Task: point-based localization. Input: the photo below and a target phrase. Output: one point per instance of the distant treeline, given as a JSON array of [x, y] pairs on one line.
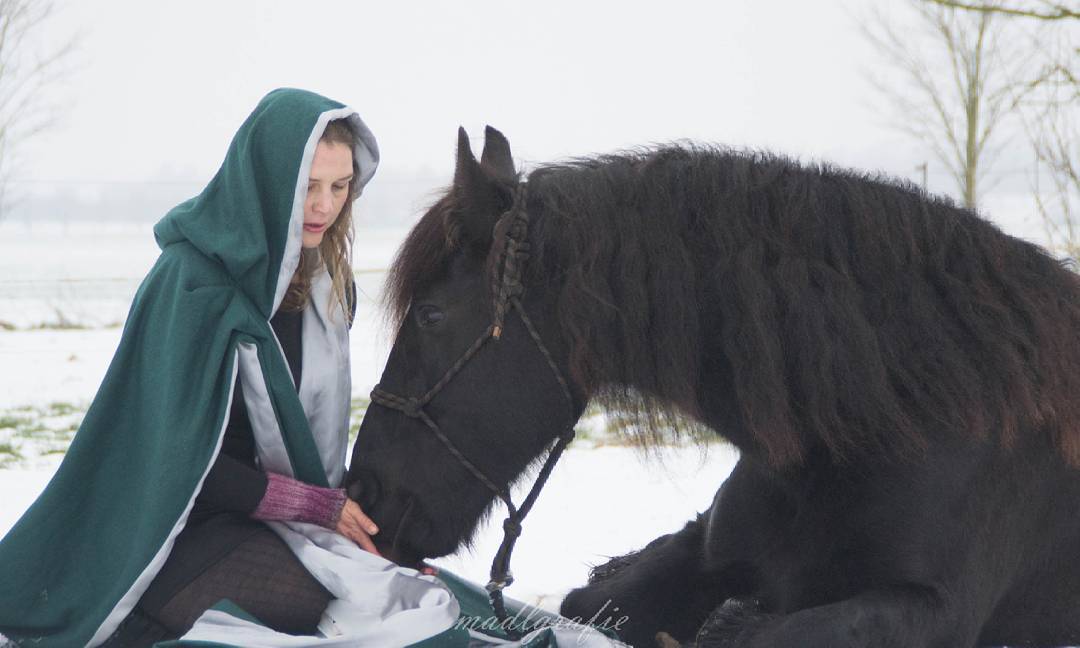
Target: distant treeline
[[394, 198]]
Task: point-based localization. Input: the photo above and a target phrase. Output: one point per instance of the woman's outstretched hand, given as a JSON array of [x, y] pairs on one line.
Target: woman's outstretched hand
[[355, 525]]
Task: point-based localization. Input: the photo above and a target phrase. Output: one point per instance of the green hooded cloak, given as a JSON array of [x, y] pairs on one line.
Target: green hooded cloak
[[79, 559]]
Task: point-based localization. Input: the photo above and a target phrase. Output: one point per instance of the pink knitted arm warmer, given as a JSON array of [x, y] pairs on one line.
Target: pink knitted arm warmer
[[288, 499]]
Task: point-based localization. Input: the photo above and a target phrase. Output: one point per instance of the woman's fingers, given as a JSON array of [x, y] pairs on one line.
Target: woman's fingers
[[358, 514], [357, 526], [365, 542]]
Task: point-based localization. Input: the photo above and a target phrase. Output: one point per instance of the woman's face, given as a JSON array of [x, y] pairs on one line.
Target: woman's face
[[328, 189]]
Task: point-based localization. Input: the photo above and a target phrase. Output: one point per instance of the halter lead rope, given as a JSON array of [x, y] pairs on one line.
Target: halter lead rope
[[511, 232]]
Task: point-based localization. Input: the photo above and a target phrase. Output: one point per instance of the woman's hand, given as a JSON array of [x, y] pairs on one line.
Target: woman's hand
[[355, 525]]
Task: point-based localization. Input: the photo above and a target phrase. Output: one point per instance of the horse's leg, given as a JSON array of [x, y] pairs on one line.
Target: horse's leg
[[1042, 605], [660, 588], [894, 618], [968, 545], [829, 545], [678, 579], [1043, 610]]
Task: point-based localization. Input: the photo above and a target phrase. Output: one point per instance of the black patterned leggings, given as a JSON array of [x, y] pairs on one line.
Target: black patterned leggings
[[260, 574]]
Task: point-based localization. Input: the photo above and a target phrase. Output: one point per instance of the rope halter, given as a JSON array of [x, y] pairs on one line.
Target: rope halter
[[508, 256]]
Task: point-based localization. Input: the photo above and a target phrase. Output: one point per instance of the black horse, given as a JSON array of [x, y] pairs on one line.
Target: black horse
[[902, 380]]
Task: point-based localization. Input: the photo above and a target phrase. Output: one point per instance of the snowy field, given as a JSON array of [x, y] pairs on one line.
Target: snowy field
[[65, 292]]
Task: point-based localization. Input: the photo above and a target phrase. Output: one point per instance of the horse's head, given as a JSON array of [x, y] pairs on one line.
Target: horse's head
[[501, 407]]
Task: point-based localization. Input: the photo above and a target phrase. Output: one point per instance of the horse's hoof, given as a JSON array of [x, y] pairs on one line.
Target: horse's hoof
[[727, 622], [664, 640]]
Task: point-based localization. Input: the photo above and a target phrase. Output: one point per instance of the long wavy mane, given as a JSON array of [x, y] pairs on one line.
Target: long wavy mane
[[838, 308]]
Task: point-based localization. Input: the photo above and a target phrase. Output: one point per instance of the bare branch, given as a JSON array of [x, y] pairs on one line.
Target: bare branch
[[955, 66], [1055, 11], [27, 72]]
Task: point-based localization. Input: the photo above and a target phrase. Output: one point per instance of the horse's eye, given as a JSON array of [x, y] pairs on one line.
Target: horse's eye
[[429, 315]]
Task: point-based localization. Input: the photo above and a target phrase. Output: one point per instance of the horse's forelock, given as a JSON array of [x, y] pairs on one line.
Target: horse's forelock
[[422, 257]]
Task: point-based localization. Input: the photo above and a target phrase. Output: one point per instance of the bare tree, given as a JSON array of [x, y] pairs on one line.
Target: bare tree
[[1049, 112], [28, 67], [1049, 100], [1039, 9], [955, 84], [1057, 181]]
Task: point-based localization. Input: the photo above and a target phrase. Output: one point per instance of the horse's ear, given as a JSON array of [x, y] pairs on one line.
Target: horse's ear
[[482, 189], [496, 158], [467, 170]]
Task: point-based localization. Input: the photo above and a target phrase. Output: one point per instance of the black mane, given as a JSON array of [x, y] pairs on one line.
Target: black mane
[[851, 308]]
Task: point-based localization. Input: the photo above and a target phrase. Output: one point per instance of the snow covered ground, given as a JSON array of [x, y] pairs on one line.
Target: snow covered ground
[[599, 502], [65, 291]]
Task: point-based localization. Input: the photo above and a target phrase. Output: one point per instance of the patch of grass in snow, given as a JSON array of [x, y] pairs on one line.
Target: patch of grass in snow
[[59, 326], [598, 427], [61, 323], [59, 408], [30, 432], [9, 455]]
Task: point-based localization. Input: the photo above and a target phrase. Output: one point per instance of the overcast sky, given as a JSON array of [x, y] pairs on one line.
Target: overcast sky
[[158, 88]]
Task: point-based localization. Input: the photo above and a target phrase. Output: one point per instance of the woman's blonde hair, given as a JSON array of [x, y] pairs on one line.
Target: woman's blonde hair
[[335, 250]]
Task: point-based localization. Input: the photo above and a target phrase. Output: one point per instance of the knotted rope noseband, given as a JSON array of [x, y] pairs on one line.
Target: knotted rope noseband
[[511, 251]]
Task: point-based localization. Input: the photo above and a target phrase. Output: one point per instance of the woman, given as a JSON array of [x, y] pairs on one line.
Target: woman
[[224, 552], [207, 466]]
